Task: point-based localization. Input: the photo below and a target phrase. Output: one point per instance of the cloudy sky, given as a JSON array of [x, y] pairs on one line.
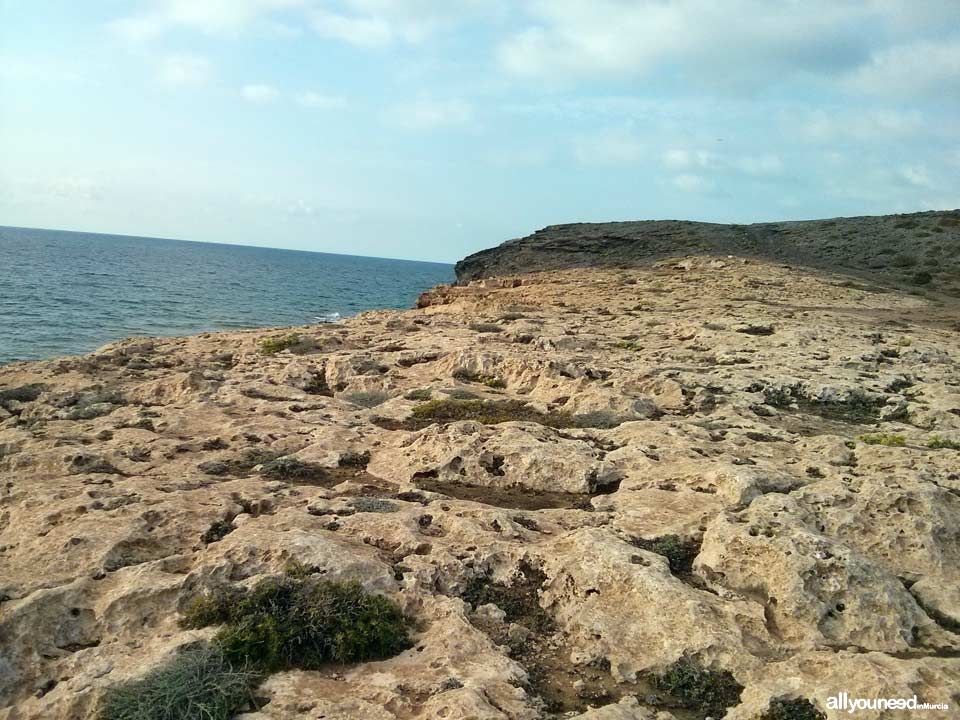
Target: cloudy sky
[[431, 128]]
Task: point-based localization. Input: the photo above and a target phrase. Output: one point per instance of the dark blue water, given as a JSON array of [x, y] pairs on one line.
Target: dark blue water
[[66, 293]]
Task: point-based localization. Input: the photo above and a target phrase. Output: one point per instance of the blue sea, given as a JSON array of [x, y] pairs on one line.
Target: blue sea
[[65, 293]]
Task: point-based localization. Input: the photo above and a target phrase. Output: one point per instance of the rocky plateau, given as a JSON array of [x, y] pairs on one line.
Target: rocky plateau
[[571, 474]]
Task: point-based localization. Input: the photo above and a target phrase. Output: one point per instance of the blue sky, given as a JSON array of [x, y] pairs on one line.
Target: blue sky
[[428, 129]]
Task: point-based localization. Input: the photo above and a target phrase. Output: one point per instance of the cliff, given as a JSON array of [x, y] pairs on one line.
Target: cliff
[[919, 248], [689, 487]]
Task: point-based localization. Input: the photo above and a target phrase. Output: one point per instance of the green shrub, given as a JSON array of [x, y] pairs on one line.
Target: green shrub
[[271, 346], [631, 345], [708, 691], [941, 443], [922, 278], [199, 682], [420, 395], [888, 439], [491, 381], [488, 412], [793, 709], [301, 622], [289, 468]]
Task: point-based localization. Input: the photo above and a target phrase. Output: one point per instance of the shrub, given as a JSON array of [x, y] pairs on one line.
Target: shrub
[[271, 346], [903, 260], [199, 682], [420, 395], [708, 691], [301, 622], [793, 709], [491, 381], [485, 328], [489, 412], [631, 345], [941, 443], [922, 278], [888, 439], [218, 531], [288, 468]]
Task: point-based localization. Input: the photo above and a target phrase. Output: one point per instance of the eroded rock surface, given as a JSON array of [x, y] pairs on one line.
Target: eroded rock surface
[[653, 464]]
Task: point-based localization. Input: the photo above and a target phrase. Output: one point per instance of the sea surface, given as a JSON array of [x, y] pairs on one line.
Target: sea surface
[[66, 293]]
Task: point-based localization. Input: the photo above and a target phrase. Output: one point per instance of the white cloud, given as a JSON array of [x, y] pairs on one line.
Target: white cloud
[[883, 46], [868, 125], [610, 147], [911, 69], [184, 70], [432, 114], [691, 183], [317, 100], [207, 16], [366, 23], [762, 165], [915, 175], [680, 159], [364, 31], [259, 94]]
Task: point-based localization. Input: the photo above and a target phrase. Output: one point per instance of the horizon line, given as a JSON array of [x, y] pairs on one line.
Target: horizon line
[[228, 244]]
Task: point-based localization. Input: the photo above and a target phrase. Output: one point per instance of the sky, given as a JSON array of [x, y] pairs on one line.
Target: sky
[[429, 129]]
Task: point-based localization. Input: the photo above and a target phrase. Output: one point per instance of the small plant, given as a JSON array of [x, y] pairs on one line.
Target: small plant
[[792, 709], [922, 278], [679, 553], [708, 691], [288, 468], [218, 531], [491, 381], [199, 682], [485, 328], [631, 345], [887, 439], [301, 622], [367, 398], [904, 342], [274, 345], [373, 505], [419, 395], [941, 443]]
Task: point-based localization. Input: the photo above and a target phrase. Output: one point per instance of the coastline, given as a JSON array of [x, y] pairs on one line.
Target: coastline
[[635, 465]]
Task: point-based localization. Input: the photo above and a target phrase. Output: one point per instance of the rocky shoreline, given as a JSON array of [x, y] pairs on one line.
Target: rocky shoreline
[[577, 484]]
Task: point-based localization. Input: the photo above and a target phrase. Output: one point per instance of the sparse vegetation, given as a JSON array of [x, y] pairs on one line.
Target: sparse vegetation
[[218, 531], [491, 381], [419, 395], [274, 345], [696, 688], [301, 622], [631, 345], [289, 468], [489, 412], [941, 443], [485, 327], [792, 709], [887, 439], [199, 682]]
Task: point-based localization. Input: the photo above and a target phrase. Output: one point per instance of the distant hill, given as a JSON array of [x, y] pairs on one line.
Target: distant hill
[[917, 248]]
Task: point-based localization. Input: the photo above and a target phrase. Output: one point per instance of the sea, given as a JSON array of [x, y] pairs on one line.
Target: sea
[[67, 293]]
